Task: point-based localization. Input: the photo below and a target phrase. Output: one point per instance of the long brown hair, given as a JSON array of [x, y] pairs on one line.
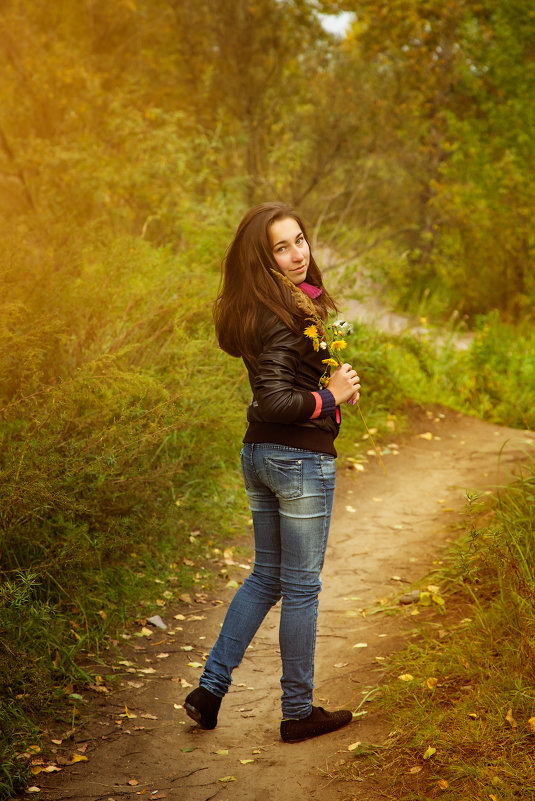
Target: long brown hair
[[248, 283]]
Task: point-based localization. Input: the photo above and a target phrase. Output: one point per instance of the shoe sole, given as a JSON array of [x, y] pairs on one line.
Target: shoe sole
[[316, 734]]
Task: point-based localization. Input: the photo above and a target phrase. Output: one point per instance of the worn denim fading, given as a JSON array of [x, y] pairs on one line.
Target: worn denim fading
[[291, 495]]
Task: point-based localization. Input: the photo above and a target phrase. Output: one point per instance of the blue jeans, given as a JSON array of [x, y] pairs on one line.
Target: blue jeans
[[291, 495]]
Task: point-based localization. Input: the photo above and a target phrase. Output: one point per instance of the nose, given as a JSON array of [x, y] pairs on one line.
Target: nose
[[297, 254]]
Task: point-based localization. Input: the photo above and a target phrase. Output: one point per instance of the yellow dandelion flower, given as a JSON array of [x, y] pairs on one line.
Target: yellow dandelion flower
[[316, 344], [324, 380], [330, 362], [339, 344], [311, 332]]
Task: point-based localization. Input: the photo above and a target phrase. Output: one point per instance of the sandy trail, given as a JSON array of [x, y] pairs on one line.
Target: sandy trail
[[386, 533]]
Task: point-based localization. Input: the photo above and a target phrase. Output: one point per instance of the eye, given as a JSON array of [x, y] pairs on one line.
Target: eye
[[300, 239]]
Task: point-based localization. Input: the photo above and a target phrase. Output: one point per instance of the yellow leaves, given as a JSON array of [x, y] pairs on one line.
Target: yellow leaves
[[354, 746], [195, 664], [442, 784], [246, 761], [127, 713], [430, 751], [228, 779], [360, 645], [406, 677], [431, 682], [36, 769], [79, 757], [428, 435], [531, 725]]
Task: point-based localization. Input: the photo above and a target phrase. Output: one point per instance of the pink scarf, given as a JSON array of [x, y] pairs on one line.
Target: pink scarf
[[310, 290]]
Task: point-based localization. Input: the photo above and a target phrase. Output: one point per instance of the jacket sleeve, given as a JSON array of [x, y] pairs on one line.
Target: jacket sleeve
[[276, 395]]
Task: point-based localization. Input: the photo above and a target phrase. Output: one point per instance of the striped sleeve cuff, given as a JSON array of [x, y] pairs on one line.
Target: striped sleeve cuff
[[325, 404]]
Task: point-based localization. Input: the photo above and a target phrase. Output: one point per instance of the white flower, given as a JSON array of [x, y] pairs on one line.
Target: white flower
[[323, 345]]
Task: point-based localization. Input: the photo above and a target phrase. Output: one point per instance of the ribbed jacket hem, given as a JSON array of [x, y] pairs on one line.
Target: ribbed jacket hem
[[307, 438]]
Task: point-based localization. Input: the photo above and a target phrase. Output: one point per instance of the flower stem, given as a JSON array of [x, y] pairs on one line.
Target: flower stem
[[371, 438]]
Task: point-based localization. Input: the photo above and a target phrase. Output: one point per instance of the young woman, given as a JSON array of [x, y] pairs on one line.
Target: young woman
[[271, 284]]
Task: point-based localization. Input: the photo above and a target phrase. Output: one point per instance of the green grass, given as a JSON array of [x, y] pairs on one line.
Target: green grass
[[472, 697]]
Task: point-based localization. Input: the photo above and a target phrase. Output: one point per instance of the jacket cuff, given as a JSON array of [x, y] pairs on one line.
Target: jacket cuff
[[325, 405]]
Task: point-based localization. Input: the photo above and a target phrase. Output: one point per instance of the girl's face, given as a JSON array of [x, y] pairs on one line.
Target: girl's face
[[290, 249]]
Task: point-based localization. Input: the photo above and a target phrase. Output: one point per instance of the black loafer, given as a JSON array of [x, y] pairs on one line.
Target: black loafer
[[202, 706], [318, 722]]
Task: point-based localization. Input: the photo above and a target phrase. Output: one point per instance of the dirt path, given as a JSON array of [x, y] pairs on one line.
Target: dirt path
[[386, 533]]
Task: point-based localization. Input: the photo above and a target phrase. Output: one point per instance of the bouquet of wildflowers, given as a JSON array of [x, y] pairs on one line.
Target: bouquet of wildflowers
[[329, 337]]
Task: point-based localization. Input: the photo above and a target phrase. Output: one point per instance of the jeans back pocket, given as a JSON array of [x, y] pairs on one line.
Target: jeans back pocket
[[284, 477]]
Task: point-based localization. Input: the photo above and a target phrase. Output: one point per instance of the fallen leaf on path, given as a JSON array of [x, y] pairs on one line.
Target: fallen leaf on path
[[246, 761], [510, 719], [184, 684], [531, 724], [148, 716], [78, 758], [156, 620], [350, 509], [232, 585], [428, 435], [162, 656], [33, 789], [132, 782], [432, 682], [442, 784], [135, 684], [146, 670], [127, 713], [179, 617], [196, 617], [185, 598], [341, 664], [98, 688], [145, 632], [228, 779], [415, 769], [430, 752], [222, 752], [406, 677], [361, 645], [353, 746], [188, 749], [195, 664]]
